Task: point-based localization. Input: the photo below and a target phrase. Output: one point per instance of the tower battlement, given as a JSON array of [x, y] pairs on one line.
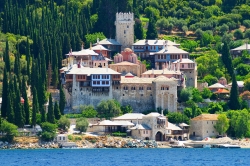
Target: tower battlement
[[124, 16]]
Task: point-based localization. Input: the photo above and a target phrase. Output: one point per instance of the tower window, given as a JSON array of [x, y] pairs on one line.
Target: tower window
[[124, 32], [127, 26]]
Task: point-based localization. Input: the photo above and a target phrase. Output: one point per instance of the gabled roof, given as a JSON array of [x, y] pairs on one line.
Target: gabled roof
[[98, 47], [130, 116], [89, 71], [82, 52], [108, 42], [155, 42], [184, 60], [239, 83], [217, 85], [124, 63], [140, 127], [172, 126], [204, 117], [164, 71], [243, 47], [171, 50], [106, 123]]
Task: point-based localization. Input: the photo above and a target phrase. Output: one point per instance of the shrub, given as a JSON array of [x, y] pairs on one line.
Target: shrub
[[119, 134], [82, 124]]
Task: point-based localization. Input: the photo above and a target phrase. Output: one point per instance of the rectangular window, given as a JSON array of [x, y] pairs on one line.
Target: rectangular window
[[103, 82], [98, 82], [107, 83], [94, 82]]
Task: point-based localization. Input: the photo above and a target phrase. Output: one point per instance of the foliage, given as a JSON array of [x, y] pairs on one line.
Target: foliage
[[206, 93], [82, 124], [215, 108], [196, 95], [92, 38], [222, 124], [51, 114], [238, 34], [57, 111], [185, 94], [48, 131], [9, 130], [126, 109], [88, 111], [210, 79], [63, 123], [62, 101], [119, 134], [108, 109], [151, 32], [234, 102], [177, 117]]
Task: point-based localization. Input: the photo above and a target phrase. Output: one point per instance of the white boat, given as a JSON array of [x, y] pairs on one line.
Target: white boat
[[207, 146]]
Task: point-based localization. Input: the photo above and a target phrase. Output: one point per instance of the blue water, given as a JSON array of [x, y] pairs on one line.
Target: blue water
[[127, 157]]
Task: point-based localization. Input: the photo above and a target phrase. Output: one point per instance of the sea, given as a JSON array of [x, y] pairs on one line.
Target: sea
[[126, 157]]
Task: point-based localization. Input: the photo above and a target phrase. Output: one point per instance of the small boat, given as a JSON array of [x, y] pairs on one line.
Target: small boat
[[228, 146], [206, 146]]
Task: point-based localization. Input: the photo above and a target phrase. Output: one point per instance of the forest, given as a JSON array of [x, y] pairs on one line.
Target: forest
[[36, 34]]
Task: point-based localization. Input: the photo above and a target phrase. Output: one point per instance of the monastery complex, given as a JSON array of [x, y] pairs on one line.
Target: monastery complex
[[113, 69]]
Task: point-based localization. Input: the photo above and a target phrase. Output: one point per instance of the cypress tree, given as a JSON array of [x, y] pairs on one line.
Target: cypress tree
[[51, 115], [28, 57], [57, 111], [62, 101], [10, 103], [43, 114], [4, 94], [138, 29], [227, 59], [151, 33], [26, 102], [19, 118], [35, 107], [7, 57], [234, 103]]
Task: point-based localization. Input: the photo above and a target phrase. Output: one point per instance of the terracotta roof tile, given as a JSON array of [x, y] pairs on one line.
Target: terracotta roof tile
[[206, 117]]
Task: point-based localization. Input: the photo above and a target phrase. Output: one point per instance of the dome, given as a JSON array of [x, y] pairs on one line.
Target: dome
[[134, 55], [127, 50]]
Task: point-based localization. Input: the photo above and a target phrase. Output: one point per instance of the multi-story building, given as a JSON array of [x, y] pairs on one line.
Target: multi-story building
[[158, 52], [84, 86], [112, 45]]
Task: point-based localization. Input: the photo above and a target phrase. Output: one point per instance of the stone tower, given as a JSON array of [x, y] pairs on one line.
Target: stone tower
[[125, 29]]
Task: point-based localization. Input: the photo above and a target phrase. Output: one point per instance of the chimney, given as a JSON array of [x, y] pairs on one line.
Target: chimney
[[152, 71], [180, 57]]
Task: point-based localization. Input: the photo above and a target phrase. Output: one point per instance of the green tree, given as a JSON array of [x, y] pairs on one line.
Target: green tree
[[177, 117], [51, 114], [82, 124], [63, 123], [26, 102], [238, 34], [108, 109], [206, 93], [35, 107], [6, 56], [138, 28], [227, 59], [210, 79], [57, 111], [9, 129], [126, 109], [214, 108], [151, 32], [222, 124], [92, 38], [196, 95], [234, 102], [48, 131], [185, 94], [5, 88], [88, 111], [247, 84], [62, 101]]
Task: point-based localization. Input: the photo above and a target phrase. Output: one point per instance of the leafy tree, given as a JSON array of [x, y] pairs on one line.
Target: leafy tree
[[9, 129], [210, 79], [162, 23], [57, 111], [185, 94], [227, 59], [247, 33], [246, 23], [206, 93], [177, 117], [243, 69], [82, 124], [196, 95], [238, 34], [222, 124], [247, 84], [199, 33], [63, 123], [214, 107], [48, 131], [62, 101], [126, 109], [108, 109], [92, 38], [206, 39], [234, 103], [88, 111], [151, 32], [51, 114]]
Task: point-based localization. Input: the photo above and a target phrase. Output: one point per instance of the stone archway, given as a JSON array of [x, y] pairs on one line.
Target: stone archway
[[158, 136]]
